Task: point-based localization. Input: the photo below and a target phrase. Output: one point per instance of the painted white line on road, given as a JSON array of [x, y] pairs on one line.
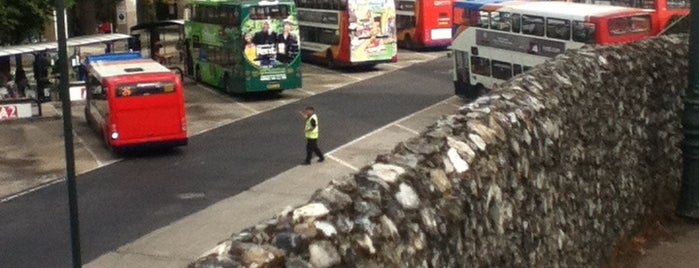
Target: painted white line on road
[[33, 189], [87, 148], [408, 129], [254, 112], [80, 140], [341, 162], [305, 91], [351, 77], [385, 127]]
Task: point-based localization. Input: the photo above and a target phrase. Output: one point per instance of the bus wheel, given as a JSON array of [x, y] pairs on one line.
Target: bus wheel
[[197, 74], [408, 42], [474, 92], [227, 83], [329, 59]]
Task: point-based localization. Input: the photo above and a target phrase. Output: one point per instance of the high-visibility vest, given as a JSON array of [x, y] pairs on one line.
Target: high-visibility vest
[[311, 132]]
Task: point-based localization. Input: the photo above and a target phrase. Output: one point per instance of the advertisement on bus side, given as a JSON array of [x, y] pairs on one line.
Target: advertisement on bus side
[[524, 44], [271, 41], [372, 25]]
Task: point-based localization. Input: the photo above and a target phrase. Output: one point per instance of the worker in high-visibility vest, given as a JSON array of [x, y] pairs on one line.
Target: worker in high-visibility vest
[[311, 133]]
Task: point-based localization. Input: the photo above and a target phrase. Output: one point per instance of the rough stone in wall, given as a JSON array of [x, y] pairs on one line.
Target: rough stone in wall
[[548, 170]]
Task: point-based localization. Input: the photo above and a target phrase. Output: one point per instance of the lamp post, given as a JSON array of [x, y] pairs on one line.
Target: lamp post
[[68, 133], [689, 195]]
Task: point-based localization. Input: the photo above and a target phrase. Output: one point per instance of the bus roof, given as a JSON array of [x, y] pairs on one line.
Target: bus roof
[[476, 4], [567, 10], [113, 68]]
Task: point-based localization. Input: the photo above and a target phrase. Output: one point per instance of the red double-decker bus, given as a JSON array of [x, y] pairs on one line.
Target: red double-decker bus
[[423, 23], [134, 102], [666, 11]]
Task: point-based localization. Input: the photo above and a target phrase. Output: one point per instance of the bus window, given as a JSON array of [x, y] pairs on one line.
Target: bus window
[[480, 65], [533, 25], [677, 4], [502, 70], [97, 92], [516, 23], [500, 21], [583, 32], [640, 24], [479, 19], [558, 28], [516, 69], [629, 25], [526, 68]]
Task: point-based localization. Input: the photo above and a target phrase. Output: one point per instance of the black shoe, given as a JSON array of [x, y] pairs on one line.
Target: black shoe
[[321, 160], [306, 163]]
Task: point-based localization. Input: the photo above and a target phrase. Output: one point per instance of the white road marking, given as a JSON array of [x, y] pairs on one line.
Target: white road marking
[[306, 91], [342, 162], [385, 127], [407, 129], [33, 189], [254, 112]]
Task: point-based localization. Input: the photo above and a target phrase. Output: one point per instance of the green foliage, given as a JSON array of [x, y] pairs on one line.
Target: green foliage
[[19, 19]]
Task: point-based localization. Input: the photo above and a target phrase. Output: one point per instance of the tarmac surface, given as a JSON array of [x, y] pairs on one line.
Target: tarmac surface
[[203, 208], [126, 203]]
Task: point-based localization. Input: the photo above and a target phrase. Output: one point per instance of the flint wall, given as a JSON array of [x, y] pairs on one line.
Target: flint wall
[[550, 169]]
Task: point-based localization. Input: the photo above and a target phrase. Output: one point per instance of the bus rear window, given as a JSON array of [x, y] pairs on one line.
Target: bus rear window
[[629, 25], [583, 32], [145, 89], [677, 4]]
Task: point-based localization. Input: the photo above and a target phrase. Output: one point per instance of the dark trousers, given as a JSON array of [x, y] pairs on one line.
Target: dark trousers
[[312, 147]]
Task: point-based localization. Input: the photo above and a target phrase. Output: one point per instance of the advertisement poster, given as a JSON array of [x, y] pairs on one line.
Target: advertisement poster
[[372, 29], [271, 40], [519, 43]]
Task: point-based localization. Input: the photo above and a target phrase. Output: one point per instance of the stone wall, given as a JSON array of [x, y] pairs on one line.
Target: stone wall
[[550, 169]]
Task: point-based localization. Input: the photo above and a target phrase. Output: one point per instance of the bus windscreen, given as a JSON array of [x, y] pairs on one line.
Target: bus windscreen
[[145, 89], [279, 12]]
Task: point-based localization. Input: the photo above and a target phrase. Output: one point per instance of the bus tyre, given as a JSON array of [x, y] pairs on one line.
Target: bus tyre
[[227, 83], [408, 42], [329, 59], [197, 74], [474, 92]]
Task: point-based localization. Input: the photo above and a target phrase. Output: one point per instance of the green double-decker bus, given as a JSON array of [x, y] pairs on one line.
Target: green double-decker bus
[[243, 46]]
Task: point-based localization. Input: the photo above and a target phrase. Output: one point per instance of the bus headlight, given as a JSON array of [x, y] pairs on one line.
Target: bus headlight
[[115, 135]]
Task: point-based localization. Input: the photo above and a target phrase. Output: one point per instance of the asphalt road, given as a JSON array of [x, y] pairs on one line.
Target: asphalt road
[[126, 200]]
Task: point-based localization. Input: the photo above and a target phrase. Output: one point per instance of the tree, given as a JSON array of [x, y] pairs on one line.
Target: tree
[[20, 19]]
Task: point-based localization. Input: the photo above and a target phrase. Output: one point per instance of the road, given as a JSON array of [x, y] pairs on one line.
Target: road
[[125, 200]]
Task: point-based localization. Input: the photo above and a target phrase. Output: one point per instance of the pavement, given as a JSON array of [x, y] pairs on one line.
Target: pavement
[[677, 247]]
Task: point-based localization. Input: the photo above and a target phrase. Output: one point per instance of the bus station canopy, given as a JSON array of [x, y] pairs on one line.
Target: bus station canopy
[[71, 42], [157, 24]]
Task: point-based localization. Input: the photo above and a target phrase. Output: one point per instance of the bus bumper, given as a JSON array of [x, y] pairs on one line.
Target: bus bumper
[[151, 145]]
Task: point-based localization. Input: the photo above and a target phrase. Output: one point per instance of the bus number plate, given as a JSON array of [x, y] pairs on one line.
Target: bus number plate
[[273, 77], [274, 86]]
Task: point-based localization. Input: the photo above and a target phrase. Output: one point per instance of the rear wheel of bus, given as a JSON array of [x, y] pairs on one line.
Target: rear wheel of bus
[[197, 74], [227, 83], [329, 59]]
